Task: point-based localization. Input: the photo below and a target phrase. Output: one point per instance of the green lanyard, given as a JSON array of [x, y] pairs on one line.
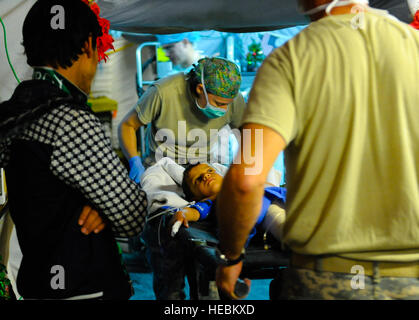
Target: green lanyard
[[52, 76]]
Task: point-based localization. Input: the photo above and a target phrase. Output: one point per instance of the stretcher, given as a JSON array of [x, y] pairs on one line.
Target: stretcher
[[263, 259]]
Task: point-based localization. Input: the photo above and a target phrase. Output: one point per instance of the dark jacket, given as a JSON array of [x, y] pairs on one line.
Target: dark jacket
[[52, 171]]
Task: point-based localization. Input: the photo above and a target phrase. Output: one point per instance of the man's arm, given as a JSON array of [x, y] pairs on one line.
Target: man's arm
[[127, 134], [83, 159], [146, 110], [184, 216], [240, 200]]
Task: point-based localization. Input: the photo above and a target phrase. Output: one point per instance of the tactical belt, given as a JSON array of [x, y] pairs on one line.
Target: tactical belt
[[343, 265]]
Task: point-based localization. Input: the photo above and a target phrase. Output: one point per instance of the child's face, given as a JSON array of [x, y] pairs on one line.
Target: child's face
[[204, 181]]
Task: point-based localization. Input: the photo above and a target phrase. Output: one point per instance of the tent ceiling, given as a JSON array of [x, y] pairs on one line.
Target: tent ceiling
[[163, 16], [171, 16]]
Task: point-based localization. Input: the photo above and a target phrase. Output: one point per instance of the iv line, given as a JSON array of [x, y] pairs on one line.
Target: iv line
[[7, 52]]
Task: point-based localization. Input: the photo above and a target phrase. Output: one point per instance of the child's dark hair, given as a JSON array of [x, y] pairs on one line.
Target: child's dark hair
[[189, 196]]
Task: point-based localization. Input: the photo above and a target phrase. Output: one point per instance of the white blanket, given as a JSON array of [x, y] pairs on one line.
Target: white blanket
[[163, 183]]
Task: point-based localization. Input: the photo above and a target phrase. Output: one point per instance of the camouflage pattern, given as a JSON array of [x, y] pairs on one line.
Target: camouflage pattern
[[304, 284], [221, 77], [5, 286]]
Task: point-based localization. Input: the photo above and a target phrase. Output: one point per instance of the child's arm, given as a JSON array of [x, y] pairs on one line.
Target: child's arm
[[198, 211], [185, 215]]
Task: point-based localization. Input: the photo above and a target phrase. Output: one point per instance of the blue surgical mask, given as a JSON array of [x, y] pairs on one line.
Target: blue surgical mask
[[209, 110]]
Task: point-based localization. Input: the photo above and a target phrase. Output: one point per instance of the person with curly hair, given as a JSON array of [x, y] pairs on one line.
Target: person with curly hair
[[69, 194]]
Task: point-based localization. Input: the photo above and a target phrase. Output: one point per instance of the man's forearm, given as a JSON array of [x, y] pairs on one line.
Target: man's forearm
[[238, 208], [128, 141], [115, 195], [240, 199]]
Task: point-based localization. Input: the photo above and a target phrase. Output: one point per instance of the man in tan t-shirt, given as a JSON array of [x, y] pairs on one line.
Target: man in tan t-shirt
[[341, 99], [185, 113]]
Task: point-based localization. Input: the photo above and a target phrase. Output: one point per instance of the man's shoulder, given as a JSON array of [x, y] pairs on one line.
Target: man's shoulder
[[169, 83], [238, 104], [239, 100], [73, 115]]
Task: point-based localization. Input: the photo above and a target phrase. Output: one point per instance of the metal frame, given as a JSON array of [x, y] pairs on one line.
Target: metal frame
[[141, 83]]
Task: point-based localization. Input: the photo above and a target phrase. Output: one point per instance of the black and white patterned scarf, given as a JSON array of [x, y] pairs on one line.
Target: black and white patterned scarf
[[31, 100], [81, 154]]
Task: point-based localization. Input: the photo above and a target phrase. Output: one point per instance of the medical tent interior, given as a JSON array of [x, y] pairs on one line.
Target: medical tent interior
[[233, 29]]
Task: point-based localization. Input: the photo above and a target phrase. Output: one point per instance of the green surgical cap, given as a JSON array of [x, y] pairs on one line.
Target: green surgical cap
[[221, 77]]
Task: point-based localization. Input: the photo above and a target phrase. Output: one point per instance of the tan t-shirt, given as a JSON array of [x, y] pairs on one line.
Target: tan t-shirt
[[178, 129], [345, 100]]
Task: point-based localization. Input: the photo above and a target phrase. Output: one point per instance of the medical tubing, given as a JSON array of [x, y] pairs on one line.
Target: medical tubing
[[158, 233], [171, 210], [160, 214], [7, 51]]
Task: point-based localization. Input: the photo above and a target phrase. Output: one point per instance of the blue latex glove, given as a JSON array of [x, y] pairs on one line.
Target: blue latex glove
[[136, 168]]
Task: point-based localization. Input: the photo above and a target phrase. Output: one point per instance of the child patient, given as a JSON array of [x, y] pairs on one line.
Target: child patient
[[201, 183]]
